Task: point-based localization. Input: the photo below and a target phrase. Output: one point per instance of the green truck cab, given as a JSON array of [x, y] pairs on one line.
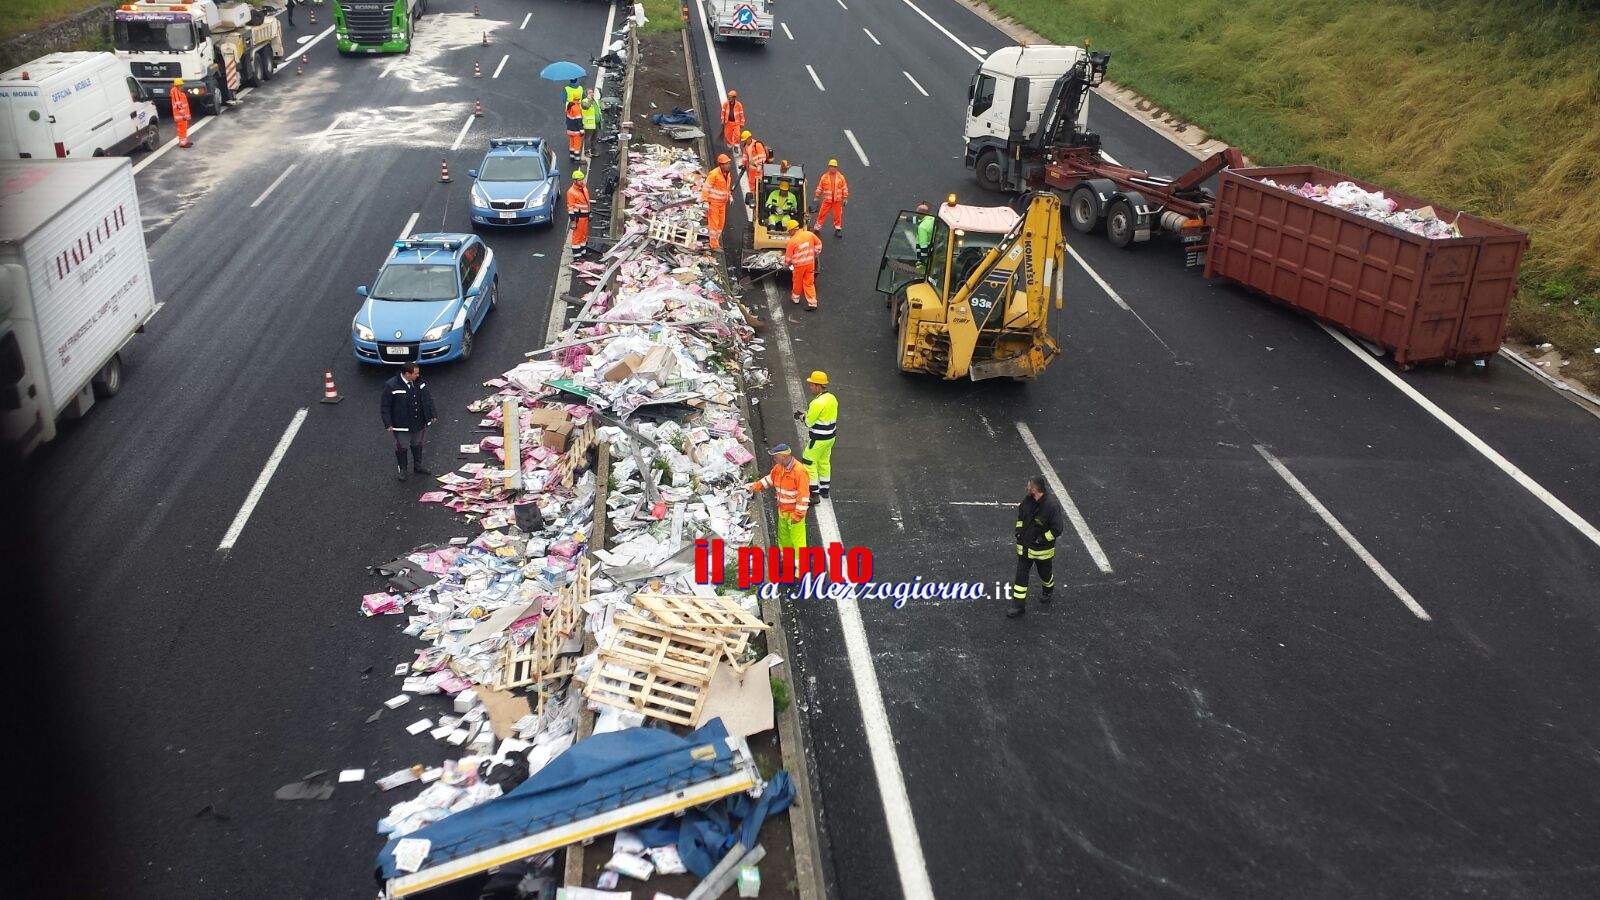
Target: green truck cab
[[376, 26]]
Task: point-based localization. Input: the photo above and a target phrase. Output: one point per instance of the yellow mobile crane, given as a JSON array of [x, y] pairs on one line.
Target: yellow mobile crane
[[969, 293]]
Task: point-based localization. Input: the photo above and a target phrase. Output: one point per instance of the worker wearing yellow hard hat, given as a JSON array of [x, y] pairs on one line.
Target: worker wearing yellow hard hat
[[800, 255], [822, 423], [578, 214], [753, 153], [831, 195], [180, 111], [781, 203]]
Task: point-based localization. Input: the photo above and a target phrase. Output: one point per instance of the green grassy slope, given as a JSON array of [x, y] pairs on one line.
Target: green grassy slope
[[1487, 105]]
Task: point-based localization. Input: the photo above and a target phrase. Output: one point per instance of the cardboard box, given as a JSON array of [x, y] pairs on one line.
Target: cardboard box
[[624, 367], [554, 437], [659, 365]]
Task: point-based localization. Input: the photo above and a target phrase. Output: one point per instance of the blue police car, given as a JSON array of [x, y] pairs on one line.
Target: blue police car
[[515, 184], [429, 299]]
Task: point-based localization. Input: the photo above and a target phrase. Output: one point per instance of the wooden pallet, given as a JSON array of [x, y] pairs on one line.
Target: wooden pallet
[[576, 455], [681, 236], [539, 661], [717, 618], [660, 672]]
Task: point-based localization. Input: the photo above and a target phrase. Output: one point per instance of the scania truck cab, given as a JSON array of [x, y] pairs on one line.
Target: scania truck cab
[[376, 26]]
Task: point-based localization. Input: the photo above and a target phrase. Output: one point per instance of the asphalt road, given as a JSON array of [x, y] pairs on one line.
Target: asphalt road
[[179, 686], [1240, 705]]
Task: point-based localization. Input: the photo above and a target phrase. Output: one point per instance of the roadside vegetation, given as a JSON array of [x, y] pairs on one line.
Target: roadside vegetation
[[22, 16], [665, 16], [1492, 106]]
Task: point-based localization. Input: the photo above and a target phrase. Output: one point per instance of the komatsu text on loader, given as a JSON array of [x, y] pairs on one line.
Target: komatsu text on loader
[[970, 292]]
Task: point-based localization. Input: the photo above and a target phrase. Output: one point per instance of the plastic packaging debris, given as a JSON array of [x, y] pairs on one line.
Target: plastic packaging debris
[[311, 787], [1351, 197]]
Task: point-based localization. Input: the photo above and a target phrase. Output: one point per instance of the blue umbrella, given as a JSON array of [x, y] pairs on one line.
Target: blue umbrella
[[562, 71]]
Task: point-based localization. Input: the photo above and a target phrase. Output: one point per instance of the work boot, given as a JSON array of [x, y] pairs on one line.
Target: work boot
[[823, 492], [795, 300], [1045, 597], [811, 307], [400, 473], [1016, 610], [839, 232], [421, 470]]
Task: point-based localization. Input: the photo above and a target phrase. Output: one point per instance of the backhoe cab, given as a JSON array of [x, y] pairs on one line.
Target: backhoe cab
[[970, 297]]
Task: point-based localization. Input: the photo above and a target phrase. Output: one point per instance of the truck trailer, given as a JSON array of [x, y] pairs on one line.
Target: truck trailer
[[74, 290], [1424, 298]]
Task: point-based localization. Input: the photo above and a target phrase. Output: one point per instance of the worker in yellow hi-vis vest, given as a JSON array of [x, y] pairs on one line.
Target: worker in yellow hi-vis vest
[[822, 424]]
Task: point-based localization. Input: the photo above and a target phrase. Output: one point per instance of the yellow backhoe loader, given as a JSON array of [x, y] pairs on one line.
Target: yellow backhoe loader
[[970, 292]]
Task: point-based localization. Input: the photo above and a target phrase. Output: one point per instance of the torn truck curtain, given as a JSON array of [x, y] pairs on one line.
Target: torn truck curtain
[[603, 783]]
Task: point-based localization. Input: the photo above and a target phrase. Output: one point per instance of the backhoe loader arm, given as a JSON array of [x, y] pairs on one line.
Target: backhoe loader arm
[[1000, 317]]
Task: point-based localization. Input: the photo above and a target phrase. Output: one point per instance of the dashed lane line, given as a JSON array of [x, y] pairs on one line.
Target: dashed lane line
[[274, 185], [462, 135], [1344, 534], [410, 224], [851, 137], [501, 66], [920, 89], [787, 33], [1079, 524], [814, 79], [290, 59], [874, 37], [525, 21], [262, 480], [971, 51]]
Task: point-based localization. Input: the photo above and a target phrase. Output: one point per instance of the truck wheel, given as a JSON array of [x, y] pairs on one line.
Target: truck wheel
[[264, 67], [1083, 209], [152, 140], [108, 380], [990, 171], [1119, 223]]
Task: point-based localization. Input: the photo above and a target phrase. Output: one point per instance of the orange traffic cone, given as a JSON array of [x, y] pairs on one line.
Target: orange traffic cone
[[313, 17], [477, 108], [477, 70], [475, 10], [299, 70], [444, 170], [330, 393], [486, 38]]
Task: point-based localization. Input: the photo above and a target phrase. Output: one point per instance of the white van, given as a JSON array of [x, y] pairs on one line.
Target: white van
[[74, 106]]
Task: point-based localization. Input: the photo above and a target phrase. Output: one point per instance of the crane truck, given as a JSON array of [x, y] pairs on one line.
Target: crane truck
[[970, 288], [217, 49]]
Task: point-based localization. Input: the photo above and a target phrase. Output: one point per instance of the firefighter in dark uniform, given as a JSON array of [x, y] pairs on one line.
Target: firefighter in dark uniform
[[1039, 523], [407, 410]]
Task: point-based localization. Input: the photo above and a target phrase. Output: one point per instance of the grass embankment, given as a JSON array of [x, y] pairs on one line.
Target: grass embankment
[[26, 15], [1487, 105], [663, 16]]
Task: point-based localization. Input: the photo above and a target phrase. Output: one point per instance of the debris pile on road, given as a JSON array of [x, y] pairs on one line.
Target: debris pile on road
[[643, 389], [1351, 197]]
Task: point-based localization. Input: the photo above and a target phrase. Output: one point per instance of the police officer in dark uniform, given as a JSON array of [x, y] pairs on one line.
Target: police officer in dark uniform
[[407, 410], [1039, 523]]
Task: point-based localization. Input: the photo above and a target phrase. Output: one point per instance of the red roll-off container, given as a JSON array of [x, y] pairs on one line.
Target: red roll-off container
[[1423, 299]]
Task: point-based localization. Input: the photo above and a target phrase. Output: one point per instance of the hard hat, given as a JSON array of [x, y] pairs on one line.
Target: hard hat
[[722, 159], [834, 163], [819, 377], [780, 449], [783, 185], [177, 82], [950, 200], [577, 175], [733, 93], [744, 135], [790, 224]]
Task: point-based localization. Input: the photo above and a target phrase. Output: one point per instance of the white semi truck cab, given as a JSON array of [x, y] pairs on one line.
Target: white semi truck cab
[[216, 49]]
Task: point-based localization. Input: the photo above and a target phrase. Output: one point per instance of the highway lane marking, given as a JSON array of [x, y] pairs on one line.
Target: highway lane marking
[[530, 15], [903, 838], [786, 31], [851, 137], [389, 68], [874, 38], [274, 185], [722, 91], [1344, 534], [1533, 487], [980, 503], [1079, 524], [920, 89], [462, 135], [1117, 298], [972, 51], [605, 41], [267, 471], [986, 426], [814, 79], [501, 66], [162, 150], [841, 5], [302, 49], [410, 224]]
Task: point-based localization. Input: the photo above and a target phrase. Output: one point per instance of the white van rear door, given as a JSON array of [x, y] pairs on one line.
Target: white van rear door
[[25, 132]]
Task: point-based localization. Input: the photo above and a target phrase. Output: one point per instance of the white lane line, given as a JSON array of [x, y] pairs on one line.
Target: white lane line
[[722, 91], [462, 135], [501, 66], [1073, 515], [1117, 298], [292, 58], [260, 487], [814, 79], [841, 5], [874, 38], [605, 40], [1344, 534], [525, 22], [980, 503], [154, 311], [786, 31], [162, 150], [274, 185], [389, 68], [851, 137], [244, 93], [903, 838], [920, 89], [410, 223], [1475, 442], [945, 31], [980, 51]]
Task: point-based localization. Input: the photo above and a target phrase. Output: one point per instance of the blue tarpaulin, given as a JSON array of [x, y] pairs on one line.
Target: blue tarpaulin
[[704, 836], [596, 775]]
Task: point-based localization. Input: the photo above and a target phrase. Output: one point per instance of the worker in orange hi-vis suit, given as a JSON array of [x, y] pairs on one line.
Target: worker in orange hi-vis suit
[[832, 191], [578, 214], [574, 130], [180, 111], [800, 255], [715, 193], [732, 121], [755, 156]]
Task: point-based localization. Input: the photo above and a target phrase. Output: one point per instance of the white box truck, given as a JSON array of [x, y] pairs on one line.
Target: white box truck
[[74, 105], [74, 290]]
